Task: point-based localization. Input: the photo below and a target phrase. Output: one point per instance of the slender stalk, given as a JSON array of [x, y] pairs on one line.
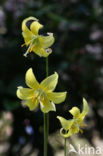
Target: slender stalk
[[46, 121], [65, 147], [47, 73], [45, 134], [47, 67]]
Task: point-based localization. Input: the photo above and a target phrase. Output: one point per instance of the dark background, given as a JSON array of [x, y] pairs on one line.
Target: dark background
[[77, 57]]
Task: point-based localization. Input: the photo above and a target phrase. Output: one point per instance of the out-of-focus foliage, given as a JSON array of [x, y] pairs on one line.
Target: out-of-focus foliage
[[77, 57]]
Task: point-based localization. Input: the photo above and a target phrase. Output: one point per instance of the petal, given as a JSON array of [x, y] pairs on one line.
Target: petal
[[73, 129], [42, 52], [47, 106], [75, 112], [45, 52], [31, 80], [27, 38], [66, 124], [85, 106], [46, 41], [65, 135], [49, 83], [24, 27], [27, 34], [35, 26], [36, 50], [32, 104], [57, 97], [24, 93], [85, 109]]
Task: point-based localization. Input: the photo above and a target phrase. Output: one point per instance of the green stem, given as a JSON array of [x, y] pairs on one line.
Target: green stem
[[45, 134], [47, 74], [47, 70], [65, 147], [46, 120]]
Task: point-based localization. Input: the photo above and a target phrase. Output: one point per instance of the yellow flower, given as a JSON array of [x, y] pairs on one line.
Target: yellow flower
[[40, 92], [37, 43], [73, 126]]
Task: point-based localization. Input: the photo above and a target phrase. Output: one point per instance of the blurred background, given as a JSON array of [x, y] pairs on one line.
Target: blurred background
[[77, 57]]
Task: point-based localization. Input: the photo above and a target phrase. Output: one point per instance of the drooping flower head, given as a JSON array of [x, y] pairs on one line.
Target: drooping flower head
[[36, 43], [73, 126], [40, 93]]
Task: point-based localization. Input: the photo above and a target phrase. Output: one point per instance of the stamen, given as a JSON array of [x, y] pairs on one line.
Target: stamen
[[81, 131], [83, 125], [23, 45], [25, 54], [40, 95], [27, 51], [32, 40], [41, 104]]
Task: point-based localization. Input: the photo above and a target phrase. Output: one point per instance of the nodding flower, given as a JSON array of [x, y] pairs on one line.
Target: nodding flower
[[36, 43], [75, 125]]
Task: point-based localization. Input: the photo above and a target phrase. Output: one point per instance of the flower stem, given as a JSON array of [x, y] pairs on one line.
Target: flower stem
[[47, 74], [46, 120], [45, 134], [65, 147], [47, 70]]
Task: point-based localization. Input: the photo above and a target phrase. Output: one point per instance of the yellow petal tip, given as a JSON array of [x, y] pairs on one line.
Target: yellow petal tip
[[58, 117], [19, 87]]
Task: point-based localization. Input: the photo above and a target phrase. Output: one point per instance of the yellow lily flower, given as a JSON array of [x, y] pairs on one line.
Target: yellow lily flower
[[40, 92], [37, 43], [74, 125]]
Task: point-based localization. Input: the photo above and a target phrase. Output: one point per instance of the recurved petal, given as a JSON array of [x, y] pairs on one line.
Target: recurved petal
[[32, 104], [66, 124], [31, 79], [35, 26], [24, 93], [57, 97], [46, 41], [25, 28], [73, 129], [85, 109], [65, 135], [45, 52], [49, 83], [75, 112], [41, 51], [85, 106], [47, 106]]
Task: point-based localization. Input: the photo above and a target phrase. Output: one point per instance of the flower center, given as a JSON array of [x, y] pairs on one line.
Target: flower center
[[75, 126], [40, 95], [32, 43]]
